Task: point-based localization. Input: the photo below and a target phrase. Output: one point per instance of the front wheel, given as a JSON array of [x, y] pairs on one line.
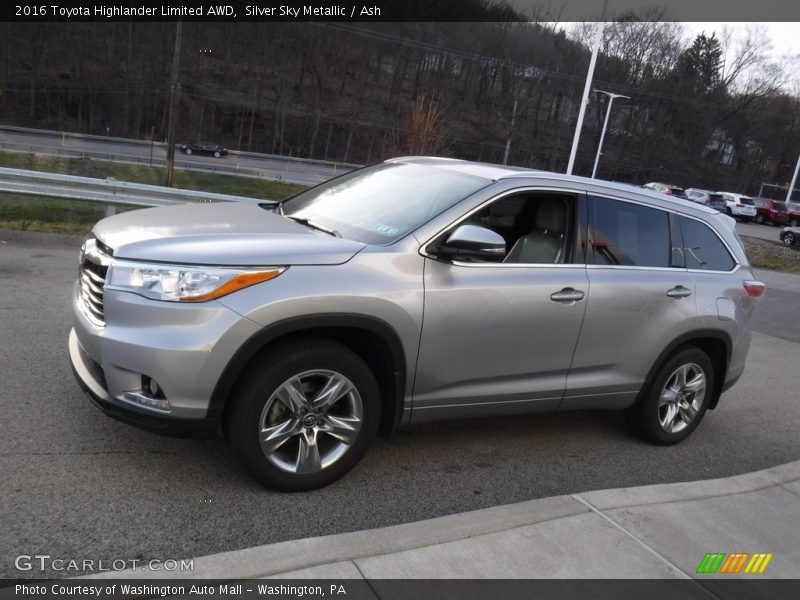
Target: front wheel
[[788, 238], [303, 415], [760, 219], [188, 151], [794, 222], [676, 400], [216, 154]]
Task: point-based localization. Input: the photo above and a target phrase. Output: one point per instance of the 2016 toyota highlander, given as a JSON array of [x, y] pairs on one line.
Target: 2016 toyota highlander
[[413, 290]]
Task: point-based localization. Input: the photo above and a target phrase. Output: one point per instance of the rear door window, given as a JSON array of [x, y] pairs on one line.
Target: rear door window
[[702, 247], [625, 233]]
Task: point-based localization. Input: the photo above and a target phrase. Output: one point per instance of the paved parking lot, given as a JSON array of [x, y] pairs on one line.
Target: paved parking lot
[[79, 485], [765, 232]]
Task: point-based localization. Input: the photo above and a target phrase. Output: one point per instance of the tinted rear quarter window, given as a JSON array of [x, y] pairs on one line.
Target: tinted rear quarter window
[[625, 233], [702, 248]]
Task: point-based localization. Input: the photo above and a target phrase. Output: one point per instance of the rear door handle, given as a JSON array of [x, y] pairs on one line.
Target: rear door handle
[[679, 292], [568, 294]]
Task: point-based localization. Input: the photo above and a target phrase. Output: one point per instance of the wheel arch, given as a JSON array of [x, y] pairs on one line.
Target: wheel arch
[[715, 343], [375, 341]]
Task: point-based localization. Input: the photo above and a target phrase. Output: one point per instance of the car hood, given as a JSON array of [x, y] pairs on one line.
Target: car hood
[[225, 233]]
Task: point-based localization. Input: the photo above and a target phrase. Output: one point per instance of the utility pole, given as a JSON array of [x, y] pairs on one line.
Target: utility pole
[[611, 97], [587, 86], [510, 133], [174, 96], [794, 180]]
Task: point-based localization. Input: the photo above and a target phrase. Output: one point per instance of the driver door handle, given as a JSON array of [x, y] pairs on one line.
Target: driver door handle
[[568, 294]]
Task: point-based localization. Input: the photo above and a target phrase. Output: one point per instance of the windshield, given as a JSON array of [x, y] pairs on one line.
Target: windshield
[[381, 204]]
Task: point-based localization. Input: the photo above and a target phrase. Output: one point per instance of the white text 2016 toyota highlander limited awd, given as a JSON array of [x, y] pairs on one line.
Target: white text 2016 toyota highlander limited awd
[[412, 290]]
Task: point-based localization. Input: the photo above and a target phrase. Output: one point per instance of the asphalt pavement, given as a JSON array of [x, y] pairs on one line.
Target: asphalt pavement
[[765, 232], [77, 484], [666, 531]]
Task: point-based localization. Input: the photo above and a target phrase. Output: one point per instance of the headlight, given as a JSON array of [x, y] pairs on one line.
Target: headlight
[[184, 284]]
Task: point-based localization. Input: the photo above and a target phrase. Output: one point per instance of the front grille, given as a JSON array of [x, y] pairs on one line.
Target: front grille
[[92, 281]]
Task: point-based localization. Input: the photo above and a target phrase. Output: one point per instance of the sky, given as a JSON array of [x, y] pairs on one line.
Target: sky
[[785, 37]]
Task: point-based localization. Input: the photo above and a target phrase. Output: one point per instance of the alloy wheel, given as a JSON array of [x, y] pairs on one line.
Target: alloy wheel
[[681, 398], [310, 421]]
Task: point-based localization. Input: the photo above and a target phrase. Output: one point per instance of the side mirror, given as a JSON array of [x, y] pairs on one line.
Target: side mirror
[[475, 241]]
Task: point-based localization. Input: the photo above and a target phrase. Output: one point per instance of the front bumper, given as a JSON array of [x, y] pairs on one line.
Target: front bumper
[[183, 347], [91, 381]]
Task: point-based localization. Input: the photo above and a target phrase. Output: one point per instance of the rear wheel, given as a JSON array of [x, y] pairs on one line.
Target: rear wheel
[[794, 222], [676, 400], [188, 151], [760, 219], [303, 415], [216, 154]]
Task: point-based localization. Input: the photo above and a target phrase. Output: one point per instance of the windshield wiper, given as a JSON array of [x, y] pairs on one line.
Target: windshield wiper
[[317, 226], [275, 206]]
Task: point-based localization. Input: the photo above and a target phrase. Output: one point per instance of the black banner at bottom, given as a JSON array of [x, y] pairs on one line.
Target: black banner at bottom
[[401, 589]]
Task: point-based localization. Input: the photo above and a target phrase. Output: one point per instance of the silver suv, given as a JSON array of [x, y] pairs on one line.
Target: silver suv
[[409, 291]]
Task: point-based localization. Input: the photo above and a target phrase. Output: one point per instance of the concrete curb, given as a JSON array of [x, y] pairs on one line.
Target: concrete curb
[[332, 555]]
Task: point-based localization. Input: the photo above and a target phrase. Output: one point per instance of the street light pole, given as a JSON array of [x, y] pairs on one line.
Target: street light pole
[[794, 180], [611, 98], [598, 36], [174, 93]]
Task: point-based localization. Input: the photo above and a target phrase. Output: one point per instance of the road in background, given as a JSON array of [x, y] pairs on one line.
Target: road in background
[[77, 484], [292, 170]]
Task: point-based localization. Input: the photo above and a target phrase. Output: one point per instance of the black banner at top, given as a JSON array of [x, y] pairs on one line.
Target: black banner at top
[[399, 10]]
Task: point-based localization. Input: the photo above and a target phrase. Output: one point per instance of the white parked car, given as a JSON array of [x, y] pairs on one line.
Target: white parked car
[[740, 205]]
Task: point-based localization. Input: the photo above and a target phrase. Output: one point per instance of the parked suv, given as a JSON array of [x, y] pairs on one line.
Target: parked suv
[[740, 206], [771, 211], [712, 199], [666, 188], [298, 326]]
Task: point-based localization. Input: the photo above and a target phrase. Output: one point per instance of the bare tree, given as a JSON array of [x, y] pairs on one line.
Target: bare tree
[[426, 132]]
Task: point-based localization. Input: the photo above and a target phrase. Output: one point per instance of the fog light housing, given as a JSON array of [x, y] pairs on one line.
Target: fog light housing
[[151, 388], [151, 396]]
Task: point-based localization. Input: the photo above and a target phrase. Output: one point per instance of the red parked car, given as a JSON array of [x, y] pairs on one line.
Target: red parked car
[[794, 213], [207, 148], [771, 211]]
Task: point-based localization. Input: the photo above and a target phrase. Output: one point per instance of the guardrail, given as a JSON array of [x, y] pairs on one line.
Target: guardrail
[[108, 191]]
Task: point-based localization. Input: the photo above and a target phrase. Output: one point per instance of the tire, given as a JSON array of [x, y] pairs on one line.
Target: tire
[[298, 446], [760, 219], [794, 222], [728, 211], [650, 417], [188, 151], [216, 154], [788, 238]]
